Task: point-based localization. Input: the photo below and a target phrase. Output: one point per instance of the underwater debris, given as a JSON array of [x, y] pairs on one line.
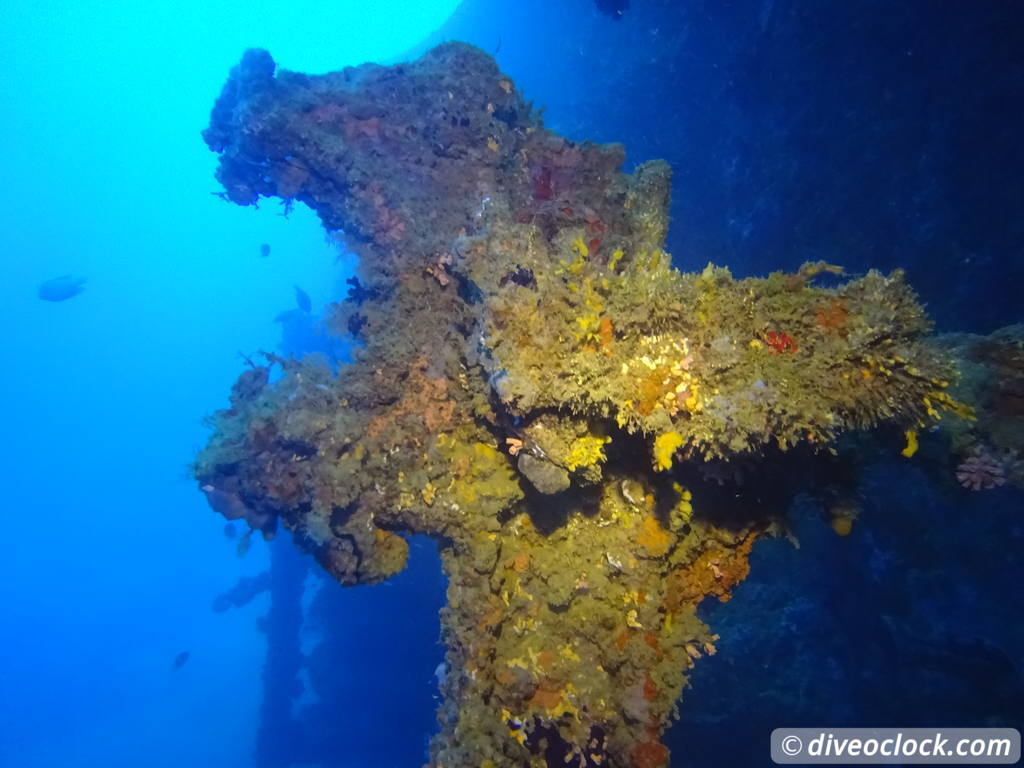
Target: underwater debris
[[537, 420]]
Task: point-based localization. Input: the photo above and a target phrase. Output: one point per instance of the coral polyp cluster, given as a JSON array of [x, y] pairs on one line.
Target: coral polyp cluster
[[533, 387]]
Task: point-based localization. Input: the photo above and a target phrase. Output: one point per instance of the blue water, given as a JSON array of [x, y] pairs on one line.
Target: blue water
[[882, 135], [111, 557]]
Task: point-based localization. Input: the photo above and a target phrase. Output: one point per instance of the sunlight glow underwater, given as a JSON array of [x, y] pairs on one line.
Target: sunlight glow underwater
[[107, 178]]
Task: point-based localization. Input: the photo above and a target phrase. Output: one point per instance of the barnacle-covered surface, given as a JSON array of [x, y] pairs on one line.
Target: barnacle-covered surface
[[533, 380]]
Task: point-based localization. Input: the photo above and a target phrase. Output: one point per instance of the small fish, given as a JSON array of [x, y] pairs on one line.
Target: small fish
[[230, 531], [61, 288], [302, 300], [613, 8], [264, 250], [181, 659], [243, 544]]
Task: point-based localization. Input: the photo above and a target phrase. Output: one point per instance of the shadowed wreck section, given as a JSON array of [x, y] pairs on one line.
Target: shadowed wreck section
[[539, 391]]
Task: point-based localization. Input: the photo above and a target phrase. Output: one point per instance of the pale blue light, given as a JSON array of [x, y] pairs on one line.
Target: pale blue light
[[106, 176]]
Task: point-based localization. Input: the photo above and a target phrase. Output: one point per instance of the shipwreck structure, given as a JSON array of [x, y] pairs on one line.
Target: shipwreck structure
[[536, 388]]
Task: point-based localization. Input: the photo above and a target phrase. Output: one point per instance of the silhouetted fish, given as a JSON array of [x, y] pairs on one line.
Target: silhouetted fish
[[230, 531], [243, 544], [613, 8], [180, 659], [61, 288], [302, 299], [264, 250]]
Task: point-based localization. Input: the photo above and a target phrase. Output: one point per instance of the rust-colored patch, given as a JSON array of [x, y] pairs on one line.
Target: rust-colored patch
[[285, 487], [649, 754], [521, 562], [715, 572], [263, 436], [606, 333], [425, 399], [547, 696], [490, 619], [387, 225], [356, 128], [290, 175], [779, 342], [650, 689], [652, 641], [650, 390], [831, 317], [653, 537]]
